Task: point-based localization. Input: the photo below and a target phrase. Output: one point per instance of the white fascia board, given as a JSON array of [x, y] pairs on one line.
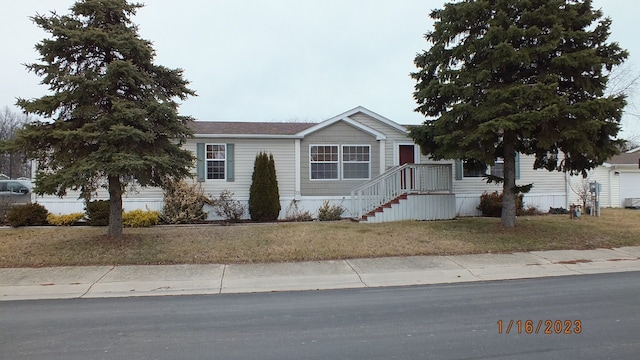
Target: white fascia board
[[247, 136], [345, 117], [357, 125]]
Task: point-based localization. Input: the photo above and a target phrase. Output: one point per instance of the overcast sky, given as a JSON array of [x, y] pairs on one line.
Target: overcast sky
[[282, 60]]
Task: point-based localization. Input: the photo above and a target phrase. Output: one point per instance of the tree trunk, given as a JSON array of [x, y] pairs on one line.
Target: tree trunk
[[115, 207], [509, 195]]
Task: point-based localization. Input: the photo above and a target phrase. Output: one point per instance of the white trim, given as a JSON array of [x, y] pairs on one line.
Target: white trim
[[370, 113], [330, 162], [396, 152], [297, 166], [206, 162], [342, 162], [633, 150], [357, 125], [245, 136], [382, 144]]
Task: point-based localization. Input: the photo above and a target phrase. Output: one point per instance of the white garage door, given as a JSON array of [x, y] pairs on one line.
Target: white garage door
[[629, 186]]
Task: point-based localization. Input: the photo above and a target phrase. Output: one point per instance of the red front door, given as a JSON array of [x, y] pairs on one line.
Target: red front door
[[407, 156]]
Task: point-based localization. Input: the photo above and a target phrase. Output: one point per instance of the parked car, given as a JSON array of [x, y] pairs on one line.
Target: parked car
[[16, 191]]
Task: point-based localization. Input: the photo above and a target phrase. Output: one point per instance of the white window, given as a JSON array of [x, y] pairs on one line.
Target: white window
[[216, 159], [356, 161], [324, 161]]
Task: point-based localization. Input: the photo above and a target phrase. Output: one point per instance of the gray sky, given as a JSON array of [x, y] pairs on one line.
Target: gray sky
[[282, 60]]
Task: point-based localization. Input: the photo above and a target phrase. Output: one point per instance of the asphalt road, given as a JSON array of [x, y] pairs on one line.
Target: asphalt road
[[427, 322]]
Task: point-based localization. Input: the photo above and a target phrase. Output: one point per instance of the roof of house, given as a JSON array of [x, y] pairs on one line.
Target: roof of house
[[288, 129], [625, 158], [248, 128]]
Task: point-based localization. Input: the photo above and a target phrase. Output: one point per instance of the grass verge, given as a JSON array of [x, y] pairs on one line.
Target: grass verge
[[283, 242]]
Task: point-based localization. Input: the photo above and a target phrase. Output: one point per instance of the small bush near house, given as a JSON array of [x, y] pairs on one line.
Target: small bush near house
[[296, 214], [491, 204], [97, 212], [64, 220], [328, 212], [227, 207], [183, 203], [264, 197], [140, 218], [557, 211], [27, 215]]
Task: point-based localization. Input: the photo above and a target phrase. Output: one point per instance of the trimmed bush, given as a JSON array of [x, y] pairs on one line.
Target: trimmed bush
[[491, 204], [64, 220], [97, 212], [264, 198], [328, 212], [140, 218], [183, 203], [27, 215]]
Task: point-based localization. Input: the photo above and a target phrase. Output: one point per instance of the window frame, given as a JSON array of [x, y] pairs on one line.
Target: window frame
[[208, 160], [343, 162], [311, 162], [487, 170]]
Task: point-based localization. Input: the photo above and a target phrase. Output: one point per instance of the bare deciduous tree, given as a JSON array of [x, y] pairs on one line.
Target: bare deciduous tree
[[13, 164]]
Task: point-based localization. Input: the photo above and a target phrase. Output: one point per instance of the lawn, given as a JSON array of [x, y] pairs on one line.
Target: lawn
[[282, 242]]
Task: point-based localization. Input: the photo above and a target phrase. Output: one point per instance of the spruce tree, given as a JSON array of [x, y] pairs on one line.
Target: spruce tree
[[529, 76], [113, 112], [264, 198]]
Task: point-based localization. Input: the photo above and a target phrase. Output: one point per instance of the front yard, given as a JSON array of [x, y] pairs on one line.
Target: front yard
[[282, 242]]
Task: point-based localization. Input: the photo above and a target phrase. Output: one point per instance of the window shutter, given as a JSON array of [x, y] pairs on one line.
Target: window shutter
[[200, 162], [231, 162], [458, 169], [517, 166]]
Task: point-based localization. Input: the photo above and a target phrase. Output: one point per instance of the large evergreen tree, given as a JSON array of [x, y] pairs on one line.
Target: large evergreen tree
[[113, 112], [519, 76]]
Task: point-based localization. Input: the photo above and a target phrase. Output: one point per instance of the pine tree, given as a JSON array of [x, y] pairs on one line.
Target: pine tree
[[505, 77], [264, 197], [114, 112]]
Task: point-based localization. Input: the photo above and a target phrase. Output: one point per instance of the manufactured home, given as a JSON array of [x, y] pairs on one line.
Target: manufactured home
[[359, 160]]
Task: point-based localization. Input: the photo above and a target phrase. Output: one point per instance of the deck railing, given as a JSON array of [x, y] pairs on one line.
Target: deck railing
[[399, 180]]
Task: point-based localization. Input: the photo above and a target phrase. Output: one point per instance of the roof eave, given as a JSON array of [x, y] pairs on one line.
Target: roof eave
[[246, 136]]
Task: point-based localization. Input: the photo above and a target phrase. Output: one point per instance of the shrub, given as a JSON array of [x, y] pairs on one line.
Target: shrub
[[227, 207], [296, 214], [97, 212], [328, 212], [183, 203], [64, 220], [559, 210], [140, 218], [491, 204], [264, 198], [27, 215]]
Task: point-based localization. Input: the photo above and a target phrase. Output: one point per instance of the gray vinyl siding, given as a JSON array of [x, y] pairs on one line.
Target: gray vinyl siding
[[394, 136], [544, 182], [245, 151], [339, 133]]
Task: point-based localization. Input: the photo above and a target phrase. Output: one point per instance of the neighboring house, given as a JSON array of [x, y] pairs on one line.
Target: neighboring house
[[357, 159], [619, 180]]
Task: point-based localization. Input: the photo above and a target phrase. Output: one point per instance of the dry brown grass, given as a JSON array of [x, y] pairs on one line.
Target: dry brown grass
[[58, 246]]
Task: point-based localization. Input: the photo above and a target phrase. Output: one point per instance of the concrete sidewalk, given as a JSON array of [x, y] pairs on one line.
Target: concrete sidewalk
[[126, 281]]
